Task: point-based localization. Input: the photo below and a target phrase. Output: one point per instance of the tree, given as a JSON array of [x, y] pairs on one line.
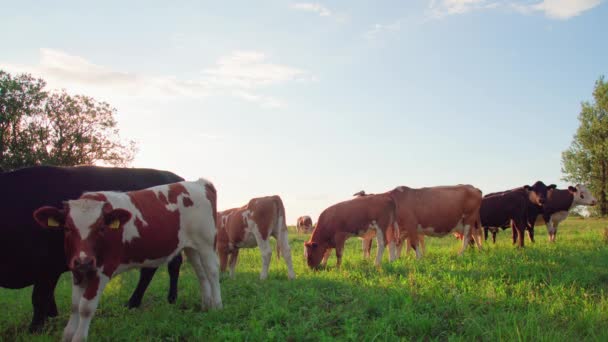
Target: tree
[[37, 127], [586, 161]]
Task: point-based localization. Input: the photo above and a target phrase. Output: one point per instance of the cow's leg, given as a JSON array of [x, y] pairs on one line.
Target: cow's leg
[[209, 261], [43, 301], [514, 232], [531, 234], [520, 226], [366, 246], [380, 242], [70, 328], [339, 250], [465, 238], [283, 246], [552, 230], [266, 252], [173, 268], [195, 260], [485, 233], [494, 236], [86, 308], [326, 257], [233, 257], [145, 277]]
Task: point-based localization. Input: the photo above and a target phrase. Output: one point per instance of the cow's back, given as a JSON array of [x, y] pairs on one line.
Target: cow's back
[[497, 210], [352, 216], [28, 250], [439, 207]]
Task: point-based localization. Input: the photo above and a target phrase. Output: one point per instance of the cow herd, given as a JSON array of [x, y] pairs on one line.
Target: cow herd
[[98, 222]]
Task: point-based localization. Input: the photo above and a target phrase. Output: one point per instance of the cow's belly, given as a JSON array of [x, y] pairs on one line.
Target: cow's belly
[[559, 217], [442, 231], [248, 241]]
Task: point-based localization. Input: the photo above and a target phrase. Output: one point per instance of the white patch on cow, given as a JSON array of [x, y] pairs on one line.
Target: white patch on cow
[[251, 229], [583, 196], [82, 255], [84, 213]]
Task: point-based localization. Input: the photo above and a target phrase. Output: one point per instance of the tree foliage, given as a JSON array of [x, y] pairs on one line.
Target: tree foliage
[[55, 128], [586, 161]]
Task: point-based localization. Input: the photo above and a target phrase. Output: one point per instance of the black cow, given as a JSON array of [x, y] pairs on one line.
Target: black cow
[[30, 255], [500, 209]]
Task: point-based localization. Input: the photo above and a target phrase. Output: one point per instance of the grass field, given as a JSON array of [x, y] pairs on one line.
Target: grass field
[[546, 292]]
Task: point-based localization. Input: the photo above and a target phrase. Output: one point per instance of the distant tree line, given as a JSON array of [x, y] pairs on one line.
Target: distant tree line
[[586, 161], [42, 127]]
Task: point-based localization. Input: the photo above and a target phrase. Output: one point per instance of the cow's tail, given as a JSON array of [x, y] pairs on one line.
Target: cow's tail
[[281, 225]]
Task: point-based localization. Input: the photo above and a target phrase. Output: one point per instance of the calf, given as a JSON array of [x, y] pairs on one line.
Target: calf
[[438, 211], [500, 209], [304, 224], [107, 233], [356, 217], [34, 256], [560, 203], [251, 226]]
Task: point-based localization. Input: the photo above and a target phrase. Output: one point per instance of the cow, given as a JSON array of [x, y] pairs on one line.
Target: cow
[[107, 233], [438, 211], [355, 217], [513, 206], [559, 204], [304, 224], [34, 256], [250, 226], [366, 239]]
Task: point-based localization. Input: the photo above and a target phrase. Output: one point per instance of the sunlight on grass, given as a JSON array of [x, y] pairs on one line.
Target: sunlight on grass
[[545, 292]]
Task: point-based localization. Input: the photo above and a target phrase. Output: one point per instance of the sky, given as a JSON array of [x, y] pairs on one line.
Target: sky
[[315, 101]]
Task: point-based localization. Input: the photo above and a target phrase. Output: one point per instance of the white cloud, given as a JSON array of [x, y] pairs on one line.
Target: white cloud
[[312, 7], [556, 9], [240, 74], [564, 9], [379, 29]]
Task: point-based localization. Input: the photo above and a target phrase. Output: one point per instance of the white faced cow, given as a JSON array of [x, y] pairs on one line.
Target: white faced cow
[[107, 233], [559, 203]]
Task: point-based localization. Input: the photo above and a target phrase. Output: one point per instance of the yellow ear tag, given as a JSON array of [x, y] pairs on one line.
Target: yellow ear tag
[[51, 222], [115, 224]]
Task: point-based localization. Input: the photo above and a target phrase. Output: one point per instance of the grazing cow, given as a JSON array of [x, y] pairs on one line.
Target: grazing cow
[[356, 217], [107, 233], [304, 224], [438, 211], [502, 208], [558, 205], [34, 256], [251, 226]]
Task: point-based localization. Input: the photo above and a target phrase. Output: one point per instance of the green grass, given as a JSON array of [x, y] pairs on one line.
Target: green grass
[[545, 292]]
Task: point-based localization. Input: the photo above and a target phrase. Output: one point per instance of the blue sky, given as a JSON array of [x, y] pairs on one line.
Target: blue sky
[[317, 100]]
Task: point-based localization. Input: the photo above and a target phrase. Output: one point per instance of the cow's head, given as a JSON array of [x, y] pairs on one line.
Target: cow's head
[[91, 227], [582, 195], [314, 253], [539, 192]]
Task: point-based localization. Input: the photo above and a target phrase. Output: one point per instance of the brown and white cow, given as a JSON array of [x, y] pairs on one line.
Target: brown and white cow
[[250, 226], [559, 204], [304, 224], [438, 211], [107, 233], [356, 217]]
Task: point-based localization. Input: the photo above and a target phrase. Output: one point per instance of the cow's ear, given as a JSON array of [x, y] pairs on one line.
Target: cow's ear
[[116, 218], [310, 244], [527, 188], [552, 186], [572, 189], [50, 217]]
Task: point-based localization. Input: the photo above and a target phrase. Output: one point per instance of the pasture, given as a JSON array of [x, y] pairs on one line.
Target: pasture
[[545, 292]]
